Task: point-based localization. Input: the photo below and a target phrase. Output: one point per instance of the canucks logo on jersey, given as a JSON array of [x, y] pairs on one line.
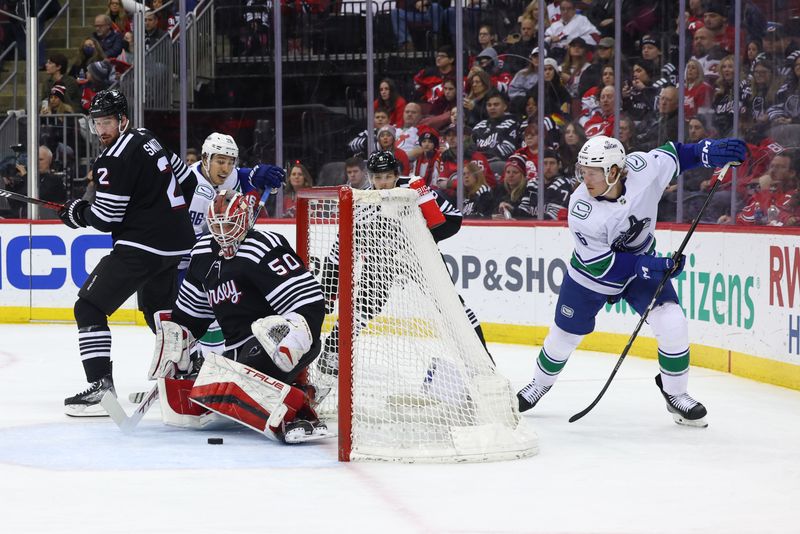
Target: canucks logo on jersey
[[631, 235]]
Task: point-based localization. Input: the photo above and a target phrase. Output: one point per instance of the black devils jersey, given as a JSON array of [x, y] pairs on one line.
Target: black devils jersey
[[265, 277], [138, 198]]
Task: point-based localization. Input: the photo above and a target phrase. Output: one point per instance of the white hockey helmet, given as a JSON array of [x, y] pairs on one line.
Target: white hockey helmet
[[604, 152], [218, 143]]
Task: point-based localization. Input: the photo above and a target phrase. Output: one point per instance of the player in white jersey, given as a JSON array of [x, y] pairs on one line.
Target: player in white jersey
[[217, 171], [612, 218]]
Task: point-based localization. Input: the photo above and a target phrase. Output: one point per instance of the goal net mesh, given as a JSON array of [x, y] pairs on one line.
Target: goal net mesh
[[423, 388]]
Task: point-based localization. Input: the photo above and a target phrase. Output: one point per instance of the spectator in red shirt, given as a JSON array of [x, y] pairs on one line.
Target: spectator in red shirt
[[530, 151], [425, 163], [697, 93], [773, 189], [387, 136], [715, 20], [428, 82], [602, 123], [445, 174], [390, 101]]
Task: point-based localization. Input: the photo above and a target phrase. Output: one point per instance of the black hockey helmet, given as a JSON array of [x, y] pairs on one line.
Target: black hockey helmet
[[382, 161], [109, 102]]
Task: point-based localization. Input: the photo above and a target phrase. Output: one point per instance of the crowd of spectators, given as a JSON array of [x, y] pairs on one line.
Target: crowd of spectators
[[500, 156]]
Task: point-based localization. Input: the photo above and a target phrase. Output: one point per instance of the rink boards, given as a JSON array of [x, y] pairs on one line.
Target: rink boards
[[740, 289]]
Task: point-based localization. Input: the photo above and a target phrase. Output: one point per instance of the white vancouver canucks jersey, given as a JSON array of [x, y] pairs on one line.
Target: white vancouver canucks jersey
[[601, 228], [204, 194]]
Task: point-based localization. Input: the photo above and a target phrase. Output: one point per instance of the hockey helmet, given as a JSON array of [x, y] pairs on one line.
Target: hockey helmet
[[229, 218], [109, 102], [603, 152], [382, 161], [218, 143]]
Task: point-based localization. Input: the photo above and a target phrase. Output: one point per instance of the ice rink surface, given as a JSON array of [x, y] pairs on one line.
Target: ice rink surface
[[625, 468]]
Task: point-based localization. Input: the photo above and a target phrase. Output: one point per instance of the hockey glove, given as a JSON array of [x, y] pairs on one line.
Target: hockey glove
[[648, 267], [264, 176], [173, 347], [286, 338], [718, 152], [72, 214], [427, 203]]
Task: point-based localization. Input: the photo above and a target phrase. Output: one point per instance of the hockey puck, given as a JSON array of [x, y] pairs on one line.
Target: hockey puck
[[215, 441]]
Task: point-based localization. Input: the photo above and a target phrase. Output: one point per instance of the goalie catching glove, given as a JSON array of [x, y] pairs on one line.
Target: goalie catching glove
[[173, 347], [286, 338]]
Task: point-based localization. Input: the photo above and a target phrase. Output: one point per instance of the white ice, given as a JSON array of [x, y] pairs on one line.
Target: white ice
[[625, 467]]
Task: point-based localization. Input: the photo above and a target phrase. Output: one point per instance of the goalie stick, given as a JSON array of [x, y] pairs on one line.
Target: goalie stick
[[125, 423], [720, 175]]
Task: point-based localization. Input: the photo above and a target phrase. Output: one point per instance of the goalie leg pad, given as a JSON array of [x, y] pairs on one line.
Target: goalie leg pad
[[286, 338], [246, 396], [178, 410]]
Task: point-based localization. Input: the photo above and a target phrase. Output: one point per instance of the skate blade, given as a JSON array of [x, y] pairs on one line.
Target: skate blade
[[298, 435], [698, 423], [83, 410]]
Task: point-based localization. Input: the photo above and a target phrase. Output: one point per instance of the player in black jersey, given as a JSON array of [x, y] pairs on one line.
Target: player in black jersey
[[443, 220], [270, 310], [139, 201]]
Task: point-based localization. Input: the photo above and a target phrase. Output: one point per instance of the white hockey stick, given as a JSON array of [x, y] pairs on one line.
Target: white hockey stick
[[124, 422]]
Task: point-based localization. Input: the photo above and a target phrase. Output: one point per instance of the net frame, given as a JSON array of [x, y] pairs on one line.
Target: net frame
[[510, 443]]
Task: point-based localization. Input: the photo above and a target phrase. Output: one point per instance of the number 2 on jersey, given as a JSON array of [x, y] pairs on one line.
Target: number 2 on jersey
[[175, 198]]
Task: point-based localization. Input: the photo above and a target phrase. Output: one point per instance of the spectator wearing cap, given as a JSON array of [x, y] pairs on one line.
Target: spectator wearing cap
[[56, 103], [602, 122], [408, 137], [567, 28], [427, 12], [109, 39], [651, 50], [603, 57], [56, 69], [557, 190], [557, 99], [530, 150], [497, 136], [715, 19], [517, 55], [575, 64], [428, 81], [445, 173], [98, 77], [524, 80], [489, 61], [509, 194], [639, 96], [428, 155], [387, 138], [697, 93]]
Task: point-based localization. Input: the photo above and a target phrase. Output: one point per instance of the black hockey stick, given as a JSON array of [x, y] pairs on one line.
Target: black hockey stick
[[660, 287], [55, 206]]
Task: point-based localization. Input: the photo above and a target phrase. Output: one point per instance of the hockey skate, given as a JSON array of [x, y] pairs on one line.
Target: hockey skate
[[302, 430], [87, 403], [530, 395], [684, 409]]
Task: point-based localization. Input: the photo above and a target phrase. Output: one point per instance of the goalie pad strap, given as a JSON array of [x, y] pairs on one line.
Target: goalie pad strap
[[245, 395]]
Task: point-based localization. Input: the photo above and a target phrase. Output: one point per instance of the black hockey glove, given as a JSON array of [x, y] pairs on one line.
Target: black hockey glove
[[72, 214]]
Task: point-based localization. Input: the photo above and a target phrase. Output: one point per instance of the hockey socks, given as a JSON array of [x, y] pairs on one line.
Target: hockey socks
[[95, 347], [556, 349]]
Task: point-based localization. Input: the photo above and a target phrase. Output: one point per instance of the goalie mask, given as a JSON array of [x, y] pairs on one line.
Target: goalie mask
[[229, 217], [603, 152]]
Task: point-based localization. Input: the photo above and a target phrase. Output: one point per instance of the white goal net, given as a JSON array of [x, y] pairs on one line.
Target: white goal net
[[409, 377]]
